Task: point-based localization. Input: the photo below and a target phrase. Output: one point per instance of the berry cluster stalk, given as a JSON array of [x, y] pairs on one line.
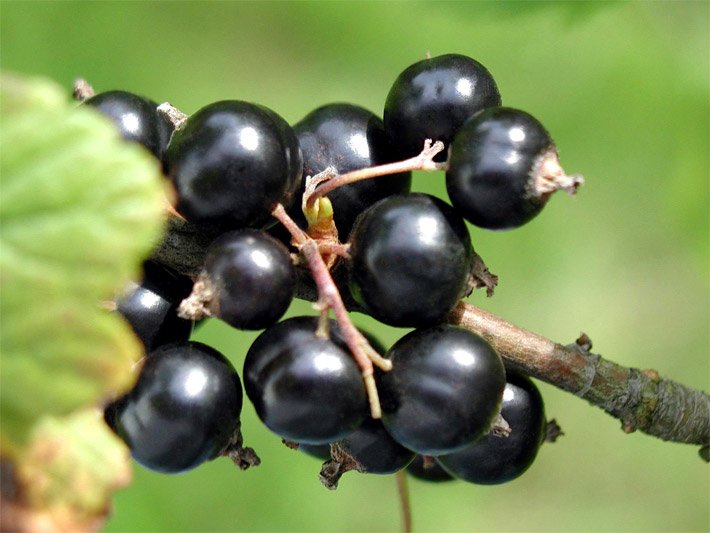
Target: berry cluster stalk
[[329, 298]]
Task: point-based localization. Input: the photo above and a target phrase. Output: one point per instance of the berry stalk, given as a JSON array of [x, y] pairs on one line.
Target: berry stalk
[[329, 298], [404, 503], [423, 161]]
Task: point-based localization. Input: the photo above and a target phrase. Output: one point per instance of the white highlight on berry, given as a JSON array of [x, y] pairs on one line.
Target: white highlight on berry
[[327, 363], [464, 87], [516, 134], [428, 230], [195, 382], [360, 145], [512, 157], [131, 122], [260, 259], [464, 358], [249, 138], [508, 394], [149, 299]]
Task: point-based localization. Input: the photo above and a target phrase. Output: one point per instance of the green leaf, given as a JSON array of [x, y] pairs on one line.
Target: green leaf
[[79, 208]]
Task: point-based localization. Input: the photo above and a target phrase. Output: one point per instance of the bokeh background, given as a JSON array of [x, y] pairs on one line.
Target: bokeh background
[[622, 87]]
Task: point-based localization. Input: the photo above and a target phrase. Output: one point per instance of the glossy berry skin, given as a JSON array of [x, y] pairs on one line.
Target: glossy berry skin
[[322, 451], [135, 117], [151, 306], [432, 98], [375, 451], [347, 137], [492, 165], [252, 276], [231, 163], [319, 451], [443, 391], [183, 410], [492, 460], [410, 260], [431, 471], [304, 388]]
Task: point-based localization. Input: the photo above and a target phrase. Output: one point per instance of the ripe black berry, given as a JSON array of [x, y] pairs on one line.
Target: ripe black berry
[[231, 163], [369, 449], [443, 391], [304, 387], [319, 451], [432, 98], [252, 277], [347, 137], [411, 260], [151, 306], [492, 459], [183, 410], [135, 117], [502, 168], [375, 451], [322, 451], [427, 469]]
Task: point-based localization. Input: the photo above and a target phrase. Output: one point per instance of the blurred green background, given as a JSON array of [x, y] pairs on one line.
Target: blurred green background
[[622, 87]]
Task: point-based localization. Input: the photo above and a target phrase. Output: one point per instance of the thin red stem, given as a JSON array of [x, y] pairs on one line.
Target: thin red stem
[[422, 161], [329, 297]]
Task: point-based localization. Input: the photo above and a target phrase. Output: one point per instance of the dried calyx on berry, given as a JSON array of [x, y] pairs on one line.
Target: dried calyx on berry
[[503, 166], [241, 268]]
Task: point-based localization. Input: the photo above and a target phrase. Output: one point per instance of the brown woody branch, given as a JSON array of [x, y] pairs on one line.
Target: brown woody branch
[[641, 399]]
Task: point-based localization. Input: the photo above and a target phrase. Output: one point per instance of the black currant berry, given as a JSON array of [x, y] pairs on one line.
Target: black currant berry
[[135, 117], [427, 469], [294, 159], [231, 163], [369, 449], [251, 277], [151, 306], [347, 137], [432, 98], [503, 166], [319, 451], [183, 410], [304, 387], [411, 258], [443, 391], [375, 451], [491, 459]]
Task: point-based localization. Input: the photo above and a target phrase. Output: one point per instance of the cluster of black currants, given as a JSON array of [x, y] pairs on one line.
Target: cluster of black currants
[[440, 400]]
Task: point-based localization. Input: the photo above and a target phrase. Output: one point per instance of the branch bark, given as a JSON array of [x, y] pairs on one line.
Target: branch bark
[[641, 399]]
